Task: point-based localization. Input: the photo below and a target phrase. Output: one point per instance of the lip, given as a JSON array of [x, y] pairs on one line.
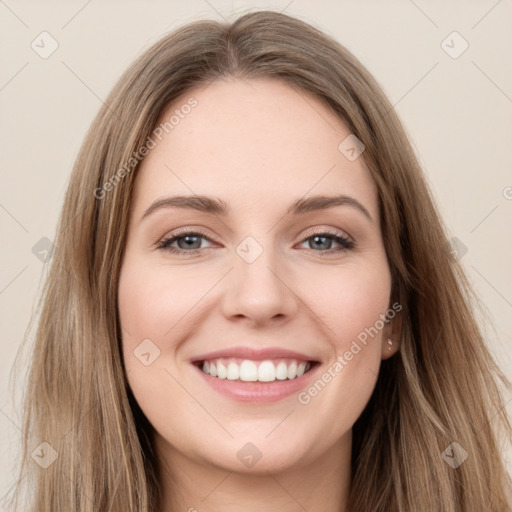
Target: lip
[[255, 354], [258, 392]]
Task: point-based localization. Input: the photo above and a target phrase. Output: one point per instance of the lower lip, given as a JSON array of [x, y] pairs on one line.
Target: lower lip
[[258, 392]]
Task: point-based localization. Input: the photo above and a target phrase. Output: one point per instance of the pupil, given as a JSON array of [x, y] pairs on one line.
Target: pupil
[[190, 240], [319, 238]]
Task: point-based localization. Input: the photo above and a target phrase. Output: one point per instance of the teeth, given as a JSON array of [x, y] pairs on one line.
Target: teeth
[[254, 371], [233, 371], [281, 371], [248, 371], [292, 370], [221, 371], [266, 371]]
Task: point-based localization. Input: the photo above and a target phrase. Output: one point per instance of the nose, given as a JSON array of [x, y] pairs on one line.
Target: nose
[[259, 292]]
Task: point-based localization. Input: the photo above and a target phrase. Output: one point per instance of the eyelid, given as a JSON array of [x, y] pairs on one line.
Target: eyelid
[[327, 231], [345, 241], [183, 232]]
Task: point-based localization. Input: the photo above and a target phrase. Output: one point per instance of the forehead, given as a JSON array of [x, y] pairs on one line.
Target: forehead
[[251, 142]]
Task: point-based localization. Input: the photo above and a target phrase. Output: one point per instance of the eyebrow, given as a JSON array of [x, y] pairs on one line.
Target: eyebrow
[[217, 206]]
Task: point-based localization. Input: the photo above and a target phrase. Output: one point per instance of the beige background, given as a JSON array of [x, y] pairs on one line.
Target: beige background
[[458, 112]]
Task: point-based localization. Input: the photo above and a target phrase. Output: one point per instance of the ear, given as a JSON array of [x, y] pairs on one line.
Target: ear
[[391, 335]]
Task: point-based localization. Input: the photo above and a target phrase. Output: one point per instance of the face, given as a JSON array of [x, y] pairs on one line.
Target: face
[[260, 274]]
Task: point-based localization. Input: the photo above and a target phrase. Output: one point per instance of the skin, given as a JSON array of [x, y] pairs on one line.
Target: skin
[[258, 145]]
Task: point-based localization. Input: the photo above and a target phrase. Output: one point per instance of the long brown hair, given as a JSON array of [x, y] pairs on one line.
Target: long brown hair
[[440, 388]]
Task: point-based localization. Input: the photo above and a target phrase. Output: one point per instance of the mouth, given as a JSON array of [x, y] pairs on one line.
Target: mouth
[[256, 375], [250, 370]]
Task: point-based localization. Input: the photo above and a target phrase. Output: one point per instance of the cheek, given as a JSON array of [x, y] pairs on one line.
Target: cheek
[[159, 312], [350, 301], [153, 316], [149, 307], [351, 306], [155, 303]]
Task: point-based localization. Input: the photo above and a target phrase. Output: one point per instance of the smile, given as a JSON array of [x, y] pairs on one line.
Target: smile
[[256, 381], [247, 370]]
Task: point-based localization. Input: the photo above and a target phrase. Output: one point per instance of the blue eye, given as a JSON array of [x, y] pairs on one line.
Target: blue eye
[[324, 242], [191, 242], [187, 242]]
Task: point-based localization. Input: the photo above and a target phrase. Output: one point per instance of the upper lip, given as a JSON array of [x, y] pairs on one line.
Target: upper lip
[[255, 354]]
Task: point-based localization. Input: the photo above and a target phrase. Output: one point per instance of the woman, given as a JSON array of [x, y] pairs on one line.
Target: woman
[[253, 304]]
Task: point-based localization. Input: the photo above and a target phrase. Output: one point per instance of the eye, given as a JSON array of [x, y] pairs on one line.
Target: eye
[[323, 241], [191, 242], [187, 242]]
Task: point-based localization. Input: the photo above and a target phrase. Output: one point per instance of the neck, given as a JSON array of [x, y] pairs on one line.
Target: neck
[[192, 486]]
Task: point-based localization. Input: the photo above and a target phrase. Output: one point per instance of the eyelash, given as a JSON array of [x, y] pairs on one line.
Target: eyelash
[[344, 242]]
